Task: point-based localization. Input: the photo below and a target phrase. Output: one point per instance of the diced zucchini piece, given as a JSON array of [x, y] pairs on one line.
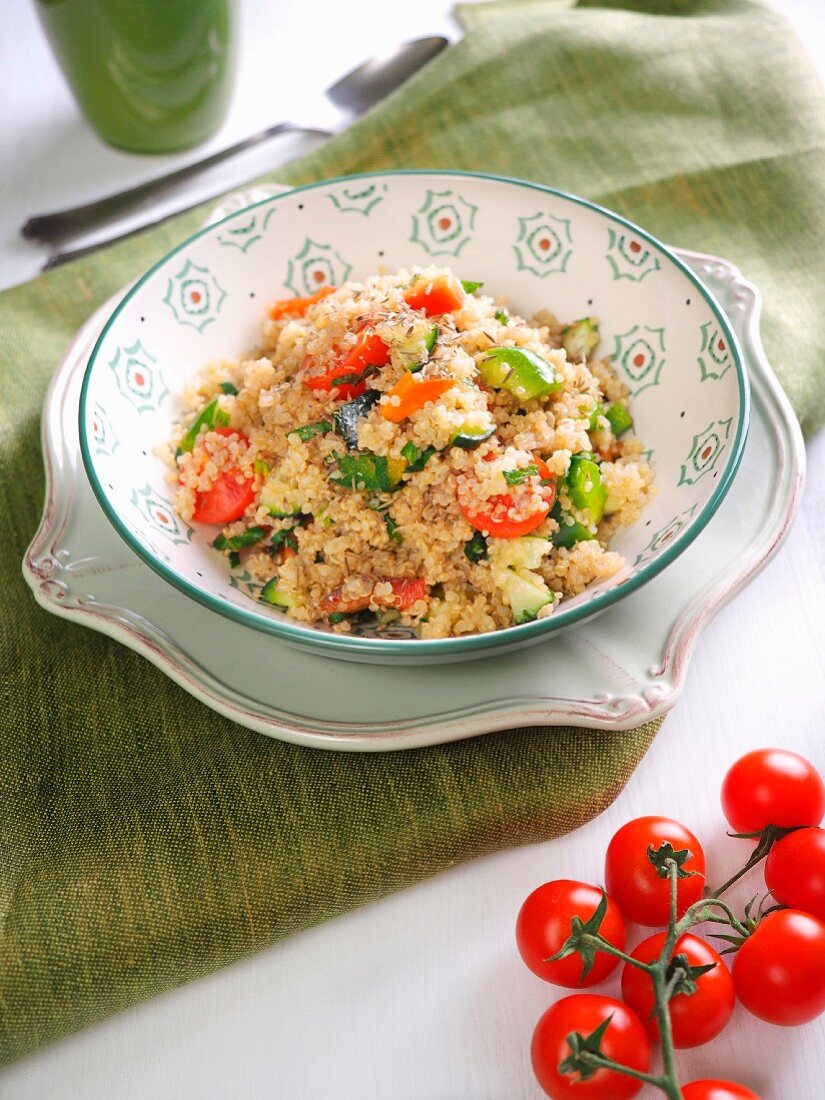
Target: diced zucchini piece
[[619, 416], [271, 594], [580, 338], [414, 349], [585, 488], [348, 416], [525, 595], [469, 435], [525, 552]]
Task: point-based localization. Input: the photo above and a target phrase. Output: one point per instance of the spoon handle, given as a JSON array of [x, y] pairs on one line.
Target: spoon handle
[[63, 225]]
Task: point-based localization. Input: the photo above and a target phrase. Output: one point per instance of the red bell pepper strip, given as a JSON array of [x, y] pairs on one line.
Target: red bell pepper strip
[[346, 376]]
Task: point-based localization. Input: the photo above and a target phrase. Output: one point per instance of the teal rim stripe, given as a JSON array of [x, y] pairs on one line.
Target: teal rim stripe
[[320, 641]]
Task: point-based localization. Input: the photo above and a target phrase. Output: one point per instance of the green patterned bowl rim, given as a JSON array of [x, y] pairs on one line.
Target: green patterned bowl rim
[[413, 647]]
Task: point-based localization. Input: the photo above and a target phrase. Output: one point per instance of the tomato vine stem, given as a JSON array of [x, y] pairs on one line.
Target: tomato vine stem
[[767, 838], [665, 985]]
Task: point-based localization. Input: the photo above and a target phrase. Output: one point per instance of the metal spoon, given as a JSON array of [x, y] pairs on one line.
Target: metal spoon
[[343, 102]]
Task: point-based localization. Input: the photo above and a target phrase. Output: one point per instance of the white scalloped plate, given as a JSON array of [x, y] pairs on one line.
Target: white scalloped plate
[[614, 672]]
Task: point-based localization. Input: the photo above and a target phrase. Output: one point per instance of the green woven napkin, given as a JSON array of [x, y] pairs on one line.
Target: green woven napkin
[[144, 840]]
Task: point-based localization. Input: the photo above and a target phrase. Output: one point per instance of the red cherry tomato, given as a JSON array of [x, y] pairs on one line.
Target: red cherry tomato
[[494, 520], [716, 1090], [779, 971], [230, 494], [543, 924], [772, 787], [632, 880], [436, 296], [625, 1041], [795, 871], [226, 501], [695, 1018]]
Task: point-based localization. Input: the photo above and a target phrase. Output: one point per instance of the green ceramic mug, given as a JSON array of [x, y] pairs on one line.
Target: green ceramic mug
[[151, 76]]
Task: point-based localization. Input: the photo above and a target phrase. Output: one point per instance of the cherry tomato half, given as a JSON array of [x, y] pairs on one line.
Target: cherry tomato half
[[624, 1041], [226, 500], [230, 494], [695, 1018], [716, 1090], [795, 871], [632, 880], [494, 520], [772, 787], [779, 971], [544, 922]]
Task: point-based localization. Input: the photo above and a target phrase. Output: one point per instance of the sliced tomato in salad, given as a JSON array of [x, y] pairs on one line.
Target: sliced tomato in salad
[[230, 493], [501, 516]]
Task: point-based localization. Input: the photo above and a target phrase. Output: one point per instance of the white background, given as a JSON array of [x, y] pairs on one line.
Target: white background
[[421, 996]]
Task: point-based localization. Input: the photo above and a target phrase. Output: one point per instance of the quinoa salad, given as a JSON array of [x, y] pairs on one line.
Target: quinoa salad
[[405, 455]]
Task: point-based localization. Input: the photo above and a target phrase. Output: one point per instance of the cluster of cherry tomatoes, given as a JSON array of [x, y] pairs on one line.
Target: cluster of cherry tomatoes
[[778, 972]]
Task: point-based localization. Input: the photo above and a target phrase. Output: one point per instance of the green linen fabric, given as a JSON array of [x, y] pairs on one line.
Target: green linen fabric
[[144, 840]]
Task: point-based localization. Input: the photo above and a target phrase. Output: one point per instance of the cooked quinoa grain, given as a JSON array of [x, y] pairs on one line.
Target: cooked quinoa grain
[[404, 450]]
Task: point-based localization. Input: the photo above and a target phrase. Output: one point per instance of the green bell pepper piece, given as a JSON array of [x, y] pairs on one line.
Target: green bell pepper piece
[[585, 487], [570, 530], [620, 419], [519, 370]]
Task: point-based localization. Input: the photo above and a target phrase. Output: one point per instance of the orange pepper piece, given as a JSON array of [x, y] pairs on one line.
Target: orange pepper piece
[[412, 393], [444, 294], [297, 307]]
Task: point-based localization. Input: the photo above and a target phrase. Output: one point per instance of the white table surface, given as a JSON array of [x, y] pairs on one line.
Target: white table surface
[[421, 996]]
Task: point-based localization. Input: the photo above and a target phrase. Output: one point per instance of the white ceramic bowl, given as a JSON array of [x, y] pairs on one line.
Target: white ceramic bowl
[[540, 248]]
